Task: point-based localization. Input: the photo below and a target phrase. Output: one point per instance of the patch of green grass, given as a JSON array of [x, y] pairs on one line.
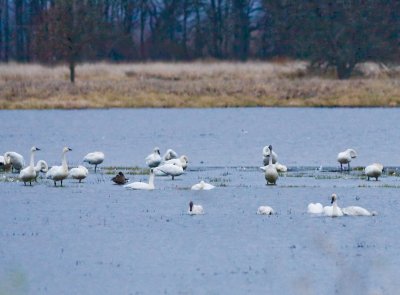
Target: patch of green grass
[[126, 170]]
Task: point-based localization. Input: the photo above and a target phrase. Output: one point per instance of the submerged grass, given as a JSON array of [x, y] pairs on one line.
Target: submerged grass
[[197, 84]]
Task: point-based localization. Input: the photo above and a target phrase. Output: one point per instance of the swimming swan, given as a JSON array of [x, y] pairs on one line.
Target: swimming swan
[[195, 209], [271, 174], [334, 210], [169, 170], [29, 173], [202, 186], [79, 173], [94, 158], [266, 153], [143, 185], [265, 210], [315, 208], [120, 178], [170, 154], [59, 173], [374, 170], [14, 159], [154, 159], [357, 211], [345, 158]]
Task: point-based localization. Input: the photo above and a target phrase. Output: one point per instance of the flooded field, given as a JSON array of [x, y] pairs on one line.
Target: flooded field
[[95, 237]]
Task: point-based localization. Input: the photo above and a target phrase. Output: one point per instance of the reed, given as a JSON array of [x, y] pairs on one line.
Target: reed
[[196, 84]]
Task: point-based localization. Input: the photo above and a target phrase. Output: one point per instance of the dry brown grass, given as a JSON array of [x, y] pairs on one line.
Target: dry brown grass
[[199, 84]]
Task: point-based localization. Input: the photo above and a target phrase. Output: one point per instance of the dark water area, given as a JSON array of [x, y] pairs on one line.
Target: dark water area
[[98, 238]]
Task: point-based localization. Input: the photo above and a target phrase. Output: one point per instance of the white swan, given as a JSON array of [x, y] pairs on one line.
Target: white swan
[[202, 186], [374, 170], [154, 159], [16, 160], [169, 170], [29, 173], [94, 158], [170, 154], [271, 174], [79, 173], [181, 161], [334, 210], [41, 166], [195, 209], [357, 211], [143, 185], [265, 210], [59, 173], [278, 166], [266, 153], [345, 158], [315, 208], [4, 164]]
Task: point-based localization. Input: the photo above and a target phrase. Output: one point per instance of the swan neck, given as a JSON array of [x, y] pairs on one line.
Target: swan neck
[[32, 163], [270, 158], [64, 161], [335, 211], [151, 179]]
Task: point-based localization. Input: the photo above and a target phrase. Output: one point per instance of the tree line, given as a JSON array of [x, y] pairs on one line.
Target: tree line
[[338, 33]]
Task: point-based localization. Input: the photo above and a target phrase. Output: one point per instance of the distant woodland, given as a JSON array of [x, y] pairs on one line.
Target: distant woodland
[[336, 34]]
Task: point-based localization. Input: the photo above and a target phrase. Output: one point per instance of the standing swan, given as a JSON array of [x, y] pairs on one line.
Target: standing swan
[[79, 173], [266, 156], [195, 209], [59, 173], [15, 160], [374, 170], [94, 158], [169, 169], [170, 154], [345, 158], [271, 174], [29, 173], [154, 159], [143, 185]]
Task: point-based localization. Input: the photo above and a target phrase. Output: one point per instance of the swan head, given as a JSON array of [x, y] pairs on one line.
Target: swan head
[[190, 206], [66, 149], [157, 150], [34, 149], [270, 148], [333, 198], [120, 173]]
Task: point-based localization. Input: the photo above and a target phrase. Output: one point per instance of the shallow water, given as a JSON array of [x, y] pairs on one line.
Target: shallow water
[[98, 238]]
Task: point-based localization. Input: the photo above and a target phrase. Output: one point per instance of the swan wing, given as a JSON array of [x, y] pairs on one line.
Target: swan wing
[[315, 208], [356, 211]]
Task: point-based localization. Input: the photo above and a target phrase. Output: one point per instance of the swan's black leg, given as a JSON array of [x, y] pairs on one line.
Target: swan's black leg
[[341, 167], [95, 168], [61, 182], [55, 183], [348, 166]]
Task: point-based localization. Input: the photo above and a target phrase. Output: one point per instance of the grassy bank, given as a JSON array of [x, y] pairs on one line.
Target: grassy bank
[[191, 85]]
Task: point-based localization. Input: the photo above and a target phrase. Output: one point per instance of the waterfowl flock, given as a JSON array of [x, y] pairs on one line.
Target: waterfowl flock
[[170, 164]]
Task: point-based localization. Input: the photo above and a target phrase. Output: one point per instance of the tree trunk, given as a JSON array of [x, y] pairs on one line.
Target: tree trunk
[[72, 71], [344, 70], [19, 30], [6, 32]]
